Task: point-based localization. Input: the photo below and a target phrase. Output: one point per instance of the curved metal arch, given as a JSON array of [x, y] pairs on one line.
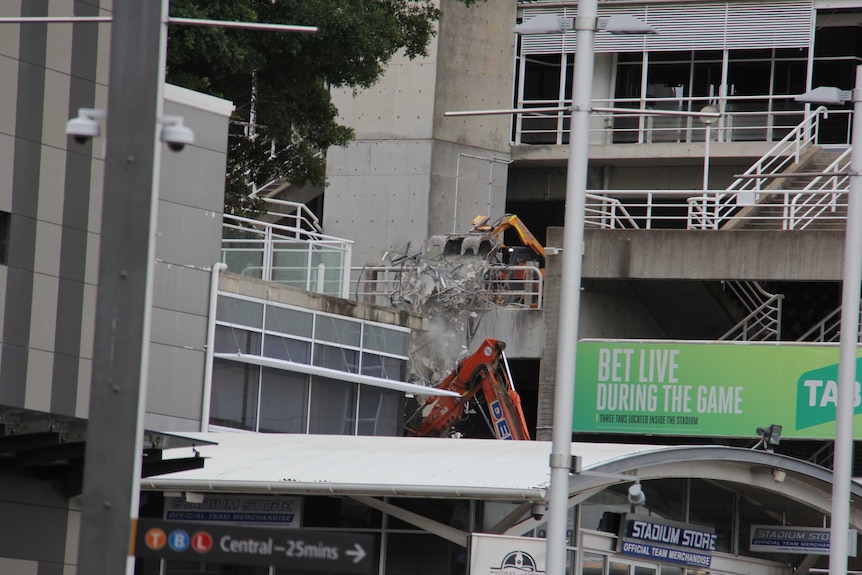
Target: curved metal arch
[[805, 482]]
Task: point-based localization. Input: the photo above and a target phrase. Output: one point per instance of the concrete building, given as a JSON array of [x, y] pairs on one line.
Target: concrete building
[[682, 243], [277, 342]]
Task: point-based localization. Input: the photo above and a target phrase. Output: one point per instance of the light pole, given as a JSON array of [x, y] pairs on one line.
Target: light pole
[[707, 122], [586, 24], [842, 467]]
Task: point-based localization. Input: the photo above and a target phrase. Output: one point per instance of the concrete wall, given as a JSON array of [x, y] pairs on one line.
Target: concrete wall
[[252, 287], [714, 255], [606, 311], [188, 243], [396, 184], [522, 330]]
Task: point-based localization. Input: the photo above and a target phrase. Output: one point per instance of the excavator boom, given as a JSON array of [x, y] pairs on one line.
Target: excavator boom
[[484, 371]]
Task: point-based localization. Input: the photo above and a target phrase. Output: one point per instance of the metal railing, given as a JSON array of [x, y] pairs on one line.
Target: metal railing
[[763, 322], [711, 210], [828, 329], [808, 207], [287, 247], [414, 286], [669, 209], [743, 119]]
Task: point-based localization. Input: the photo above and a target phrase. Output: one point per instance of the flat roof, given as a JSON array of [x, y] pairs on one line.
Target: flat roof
[[395, 466]]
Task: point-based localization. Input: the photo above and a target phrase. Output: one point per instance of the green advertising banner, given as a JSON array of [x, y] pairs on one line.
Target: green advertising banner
[[711, 389]]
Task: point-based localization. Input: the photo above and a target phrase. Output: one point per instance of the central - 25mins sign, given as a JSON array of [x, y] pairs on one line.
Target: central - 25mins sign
[[299, 549]]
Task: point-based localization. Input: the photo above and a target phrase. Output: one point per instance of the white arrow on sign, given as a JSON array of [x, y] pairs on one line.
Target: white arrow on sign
[[358, 553]]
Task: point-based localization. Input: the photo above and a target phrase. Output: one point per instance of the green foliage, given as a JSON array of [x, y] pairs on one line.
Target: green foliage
[[279, 82]]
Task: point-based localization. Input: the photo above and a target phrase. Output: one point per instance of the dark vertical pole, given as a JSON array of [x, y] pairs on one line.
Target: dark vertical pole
[[122, 332]]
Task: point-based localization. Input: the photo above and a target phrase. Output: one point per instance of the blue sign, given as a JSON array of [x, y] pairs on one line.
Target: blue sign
[[807, 540], [667, 541]]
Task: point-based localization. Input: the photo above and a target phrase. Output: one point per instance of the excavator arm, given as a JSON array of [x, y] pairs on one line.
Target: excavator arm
[[513, 222], [484, 371]]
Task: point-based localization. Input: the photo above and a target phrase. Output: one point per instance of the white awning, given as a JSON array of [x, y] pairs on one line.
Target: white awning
[[377, 466]]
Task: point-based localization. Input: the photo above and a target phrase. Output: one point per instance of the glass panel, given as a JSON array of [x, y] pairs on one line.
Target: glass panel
[[243, 255], [284, 320], [234, 394], [748, 116], [332, 261], [644, 570], [283, 401], [667, 85], [671, 570], [287, 348], [628, 94], [340, 512], [290, 263], [617, 568], [336, 358], [235, 340], [337, 330], [384, 367], [713, 506], [382, 339], [379, 411], [665, 498], [333, 407], [594, 564], [239, 311], [541, 88]]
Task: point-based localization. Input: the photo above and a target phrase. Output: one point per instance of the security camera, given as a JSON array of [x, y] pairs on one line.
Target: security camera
[[175, 134], [538, 510], [636, 494], [86, 125]]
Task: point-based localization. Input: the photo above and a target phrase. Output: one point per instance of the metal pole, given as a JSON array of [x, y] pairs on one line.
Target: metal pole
[[112, 465], [706, 158], [570, 288], [849, 340]]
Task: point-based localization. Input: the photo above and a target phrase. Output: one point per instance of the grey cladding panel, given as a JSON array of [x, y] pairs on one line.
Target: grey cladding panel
[[210, 128], [193, 177], [183, 289], [188, 236]]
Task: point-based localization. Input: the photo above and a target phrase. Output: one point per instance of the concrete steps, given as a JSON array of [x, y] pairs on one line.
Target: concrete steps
[[769, 213]]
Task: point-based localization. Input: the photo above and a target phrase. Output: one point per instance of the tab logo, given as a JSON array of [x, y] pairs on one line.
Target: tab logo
[[817, 395]]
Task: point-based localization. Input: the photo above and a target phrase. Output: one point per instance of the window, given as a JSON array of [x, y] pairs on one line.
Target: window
[[379, 411], [333, 407], [245, 396], [234, 394], [283, 402]]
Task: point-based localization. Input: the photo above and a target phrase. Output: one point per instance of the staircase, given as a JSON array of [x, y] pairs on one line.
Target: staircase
[[802, 200]]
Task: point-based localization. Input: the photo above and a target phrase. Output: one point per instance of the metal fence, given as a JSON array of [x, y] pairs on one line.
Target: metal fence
[[286, 246]]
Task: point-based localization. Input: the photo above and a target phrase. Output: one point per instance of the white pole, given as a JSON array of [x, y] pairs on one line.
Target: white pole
[[570, 288], [706, 158], [843, 453]]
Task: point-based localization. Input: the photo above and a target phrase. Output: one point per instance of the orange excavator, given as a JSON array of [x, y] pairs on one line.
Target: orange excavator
[[485, 239], [485, 372]]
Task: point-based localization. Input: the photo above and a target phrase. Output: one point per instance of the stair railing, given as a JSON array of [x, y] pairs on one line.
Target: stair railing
[[807, 205], [709, 211], [607, 213], [763, 322], [827, 329]]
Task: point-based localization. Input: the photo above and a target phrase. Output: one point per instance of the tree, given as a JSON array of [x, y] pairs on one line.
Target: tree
[[279, 82]]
